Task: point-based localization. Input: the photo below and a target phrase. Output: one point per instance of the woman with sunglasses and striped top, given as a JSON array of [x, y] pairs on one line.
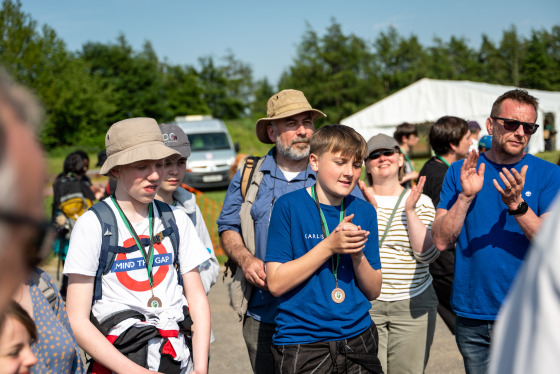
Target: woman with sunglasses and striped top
[[405, 312]]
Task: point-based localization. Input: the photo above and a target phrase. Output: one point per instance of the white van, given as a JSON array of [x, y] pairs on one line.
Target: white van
[[212, 151]]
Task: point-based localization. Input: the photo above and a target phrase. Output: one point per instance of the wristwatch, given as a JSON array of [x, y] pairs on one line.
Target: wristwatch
[[521, 209]]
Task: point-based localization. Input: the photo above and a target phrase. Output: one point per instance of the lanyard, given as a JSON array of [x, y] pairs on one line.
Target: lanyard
[[148, 257], [325, 228], [407, 158], [443, 160], [391, 217]]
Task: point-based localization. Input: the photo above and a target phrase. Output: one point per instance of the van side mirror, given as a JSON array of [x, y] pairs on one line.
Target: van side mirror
[[236, 146]]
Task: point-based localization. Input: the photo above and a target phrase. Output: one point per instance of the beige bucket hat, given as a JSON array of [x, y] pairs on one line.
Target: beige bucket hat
[[133, 140], [281, 105]]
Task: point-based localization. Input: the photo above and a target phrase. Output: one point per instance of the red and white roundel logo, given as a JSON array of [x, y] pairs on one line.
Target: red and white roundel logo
[[144, 285]]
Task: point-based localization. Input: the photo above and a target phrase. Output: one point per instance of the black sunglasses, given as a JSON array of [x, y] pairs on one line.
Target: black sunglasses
[[384, 152], [40, 244], [513, 125]]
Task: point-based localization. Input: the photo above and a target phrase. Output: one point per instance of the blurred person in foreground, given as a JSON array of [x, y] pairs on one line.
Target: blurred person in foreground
[[450, 139], [23, 231], [526, 338], [492, 205]]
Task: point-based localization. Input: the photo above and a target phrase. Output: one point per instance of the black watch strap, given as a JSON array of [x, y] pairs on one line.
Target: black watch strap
[[522, 208]]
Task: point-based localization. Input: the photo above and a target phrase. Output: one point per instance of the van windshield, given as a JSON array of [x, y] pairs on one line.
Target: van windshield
[[208, 141]]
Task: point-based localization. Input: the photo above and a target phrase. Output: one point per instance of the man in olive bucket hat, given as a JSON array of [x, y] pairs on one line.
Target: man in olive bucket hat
[[289, 125]]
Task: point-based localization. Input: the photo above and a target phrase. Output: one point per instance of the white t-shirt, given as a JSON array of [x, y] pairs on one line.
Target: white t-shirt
[[126, 286]]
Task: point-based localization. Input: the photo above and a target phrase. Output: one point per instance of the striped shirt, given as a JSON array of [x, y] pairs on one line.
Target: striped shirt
[[405, 272]]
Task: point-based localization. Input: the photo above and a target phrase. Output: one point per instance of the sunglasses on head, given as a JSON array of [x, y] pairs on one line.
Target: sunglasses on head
[[513, 125], [385, 152], [39, 245]]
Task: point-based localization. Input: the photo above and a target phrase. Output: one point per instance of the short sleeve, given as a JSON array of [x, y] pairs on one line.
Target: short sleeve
[[85, 246], [279, 244], [191, 250], [449, 189], [229, 216]]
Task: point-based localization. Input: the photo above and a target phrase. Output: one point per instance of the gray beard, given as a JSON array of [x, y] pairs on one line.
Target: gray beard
[[294, 152]]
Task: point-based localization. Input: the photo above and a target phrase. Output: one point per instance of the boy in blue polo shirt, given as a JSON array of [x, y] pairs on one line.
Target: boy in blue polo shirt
[[323, 264]]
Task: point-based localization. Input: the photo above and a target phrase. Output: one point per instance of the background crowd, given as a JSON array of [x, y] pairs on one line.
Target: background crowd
[[401, 246]]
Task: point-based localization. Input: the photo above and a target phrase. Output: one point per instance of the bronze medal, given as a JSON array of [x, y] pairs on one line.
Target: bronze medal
[[154, 302], [338, 295]]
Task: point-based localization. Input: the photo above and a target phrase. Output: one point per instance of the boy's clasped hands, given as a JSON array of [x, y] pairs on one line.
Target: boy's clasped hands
[[347, 238]]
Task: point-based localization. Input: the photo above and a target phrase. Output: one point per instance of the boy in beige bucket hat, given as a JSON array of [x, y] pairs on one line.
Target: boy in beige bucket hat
[[289, 125], [140, 305]]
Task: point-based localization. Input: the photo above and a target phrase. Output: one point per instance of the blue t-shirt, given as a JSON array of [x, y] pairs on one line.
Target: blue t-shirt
[[307, 313], [262, 305], [491, 245]]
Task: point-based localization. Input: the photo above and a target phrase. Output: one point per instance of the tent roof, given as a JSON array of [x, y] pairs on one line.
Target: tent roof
[[429, 99]]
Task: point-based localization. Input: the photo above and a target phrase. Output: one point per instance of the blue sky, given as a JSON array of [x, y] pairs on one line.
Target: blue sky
[[265, 34]]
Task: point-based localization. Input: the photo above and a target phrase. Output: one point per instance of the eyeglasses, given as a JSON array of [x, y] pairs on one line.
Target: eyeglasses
[[513, 125], [386, 152], [39, 245]]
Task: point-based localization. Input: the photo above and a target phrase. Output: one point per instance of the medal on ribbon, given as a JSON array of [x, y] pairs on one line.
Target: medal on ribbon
[[337, 294], [153, 302]]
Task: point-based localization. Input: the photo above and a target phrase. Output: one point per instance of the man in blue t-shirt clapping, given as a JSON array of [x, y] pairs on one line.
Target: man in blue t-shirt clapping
[[491, 206]]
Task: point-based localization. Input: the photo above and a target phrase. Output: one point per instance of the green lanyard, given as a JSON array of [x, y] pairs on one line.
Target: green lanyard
[[148, 257], [443, 160], [325, 229], [408, 160]]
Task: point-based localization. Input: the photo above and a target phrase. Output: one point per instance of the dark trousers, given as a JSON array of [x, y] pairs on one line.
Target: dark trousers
[[349, 356], [442, 271], [258, 338]]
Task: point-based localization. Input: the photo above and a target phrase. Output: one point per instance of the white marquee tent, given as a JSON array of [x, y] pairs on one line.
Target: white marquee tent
[[429, 99]]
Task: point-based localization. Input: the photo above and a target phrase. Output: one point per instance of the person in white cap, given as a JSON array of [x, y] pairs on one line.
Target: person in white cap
[[141, 314], [289, 125]]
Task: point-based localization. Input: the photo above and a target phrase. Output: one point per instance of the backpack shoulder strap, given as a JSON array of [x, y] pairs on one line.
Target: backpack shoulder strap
[[169, 224], [247, 222], [247, 174], [109, 240], [47, 290]]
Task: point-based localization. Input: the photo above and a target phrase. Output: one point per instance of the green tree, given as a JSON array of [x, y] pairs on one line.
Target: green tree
[[222, 94], [136, 80], [75, 104], [335, 72], [494, 68], [512, 50], [541, 65], [401, 61], [263, 91], [183, 91]]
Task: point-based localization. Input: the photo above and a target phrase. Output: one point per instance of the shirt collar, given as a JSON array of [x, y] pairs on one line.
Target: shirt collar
[[269, 166]]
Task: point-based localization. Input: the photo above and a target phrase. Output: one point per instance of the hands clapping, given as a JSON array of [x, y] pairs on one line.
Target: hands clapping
[[348, 238]]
